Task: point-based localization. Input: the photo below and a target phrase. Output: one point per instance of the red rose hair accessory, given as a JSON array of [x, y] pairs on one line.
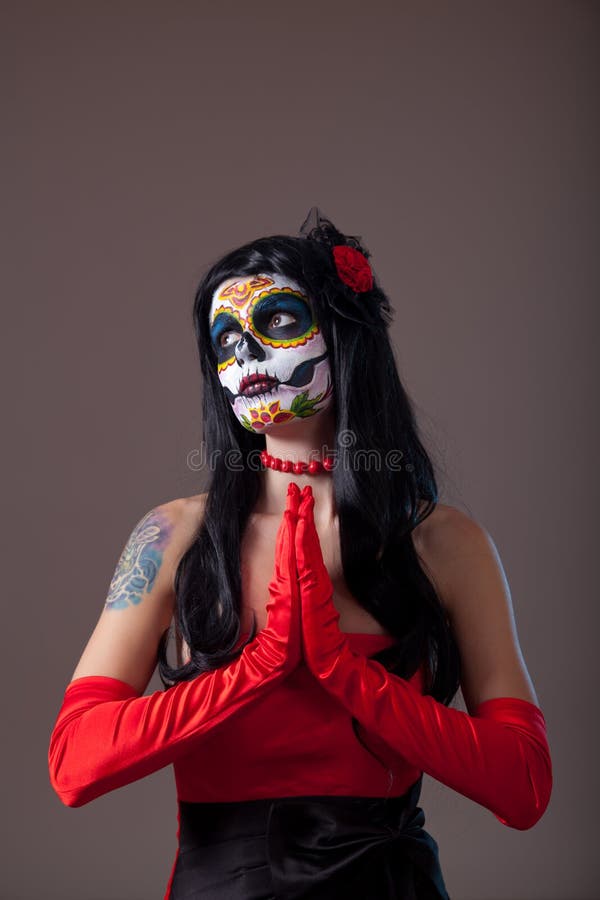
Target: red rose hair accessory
[[349, 256], [353, 268]]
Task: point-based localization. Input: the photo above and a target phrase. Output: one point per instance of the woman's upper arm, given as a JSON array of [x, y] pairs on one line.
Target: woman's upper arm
[[141, 599], [463, 562]]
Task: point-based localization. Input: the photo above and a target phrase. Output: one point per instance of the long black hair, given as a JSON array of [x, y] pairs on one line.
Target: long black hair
[[378, 506]]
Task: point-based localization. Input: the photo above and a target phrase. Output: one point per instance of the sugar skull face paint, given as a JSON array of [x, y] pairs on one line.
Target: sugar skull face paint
[[271, 355]]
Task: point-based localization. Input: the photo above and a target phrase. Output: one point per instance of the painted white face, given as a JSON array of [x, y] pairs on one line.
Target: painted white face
[[272, 359]]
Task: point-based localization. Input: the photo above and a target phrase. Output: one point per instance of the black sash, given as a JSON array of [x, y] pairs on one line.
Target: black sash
[[308, 848]]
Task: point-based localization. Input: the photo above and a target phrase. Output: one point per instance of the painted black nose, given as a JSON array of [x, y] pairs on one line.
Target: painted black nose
[[248, 348]]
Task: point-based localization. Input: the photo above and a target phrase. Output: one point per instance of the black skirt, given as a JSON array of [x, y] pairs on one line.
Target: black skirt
[[318, 848]]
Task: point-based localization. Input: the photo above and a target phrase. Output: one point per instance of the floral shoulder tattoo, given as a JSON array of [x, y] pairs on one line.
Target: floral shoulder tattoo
[[140, 561]]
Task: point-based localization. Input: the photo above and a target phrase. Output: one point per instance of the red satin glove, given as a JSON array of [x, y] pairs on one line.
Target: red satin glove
[[498, 757], [107, 735]]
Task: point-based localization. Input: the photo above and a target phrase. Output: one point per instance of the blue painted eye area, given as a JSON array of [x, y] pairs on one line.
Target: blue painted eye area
[[279, 316], [282, 317], [225, 333]]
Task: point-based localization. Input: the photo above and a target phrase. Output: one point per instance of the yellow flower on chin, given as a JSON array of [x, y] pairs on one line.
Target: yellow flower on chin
[[270, 412], [302, 406]]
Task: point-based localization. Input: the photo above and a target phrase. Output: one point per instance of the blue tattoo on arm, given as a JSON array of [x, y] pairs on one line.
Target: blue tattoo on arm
[[140, 561]]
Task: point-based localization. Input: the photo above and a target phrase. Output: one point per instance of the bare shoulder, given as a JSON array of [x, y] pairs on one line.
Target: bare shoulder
[[462, 560], [448, 529], [141, 596], [164, 533], [447, 537], [189, 510], [185, 515]]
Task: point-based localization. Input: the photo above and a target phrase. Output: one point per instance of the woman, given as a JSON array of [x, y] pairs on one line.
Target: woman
[[327, 608]]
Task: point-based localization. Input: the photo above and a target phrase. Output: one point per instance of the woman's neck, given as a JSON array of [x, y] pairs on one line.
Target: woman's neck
[[300, 441]]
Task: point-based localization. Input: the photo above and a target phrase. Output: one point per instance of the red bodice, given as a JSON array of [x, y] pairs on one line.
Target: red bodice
[[296, 740]]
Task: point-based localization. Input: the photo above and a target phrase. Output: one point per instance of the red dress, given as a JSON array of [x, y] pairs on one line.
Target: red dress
[[296, 741]]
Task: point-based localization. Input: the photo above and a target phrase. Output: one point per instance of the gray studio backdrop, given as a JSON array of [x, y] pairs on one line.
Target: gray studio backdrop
[[143, 139]]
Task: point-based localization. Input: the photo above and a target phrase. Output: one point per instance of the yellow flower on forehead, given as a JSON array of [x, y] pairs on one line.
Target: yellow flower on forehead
[[239, 292]]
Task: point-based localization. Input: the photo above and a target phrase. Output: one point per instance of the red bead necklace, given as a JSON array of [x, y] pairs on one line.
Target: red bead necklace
[[298, 468]]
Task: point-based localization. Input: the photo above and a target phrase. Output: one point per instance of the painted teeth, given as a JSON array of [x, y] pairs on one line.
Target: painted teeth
[[257, 386]]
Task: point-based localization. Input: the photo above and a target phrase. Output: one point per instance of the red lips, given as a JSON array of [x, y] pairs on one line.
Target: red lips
[[257, 383]]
